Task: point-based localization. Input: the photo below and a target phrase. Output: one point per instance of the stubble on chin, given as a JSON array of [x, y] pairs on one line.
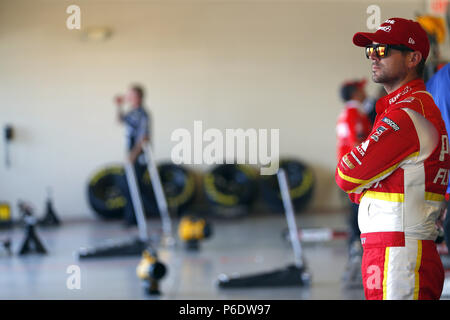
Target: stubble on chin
[[376, 78]]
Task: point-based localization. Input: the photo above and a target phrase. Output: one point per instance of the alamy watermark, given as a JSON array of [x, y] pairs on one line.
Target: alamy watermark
[[74, 20], [73, 281], [212, 146], [374, 277], [374, 19]]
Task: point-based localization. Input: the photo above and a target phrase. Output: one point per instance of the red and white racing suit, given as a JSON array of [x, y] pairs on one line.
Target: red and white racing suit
[[399, 176], [353, 127]]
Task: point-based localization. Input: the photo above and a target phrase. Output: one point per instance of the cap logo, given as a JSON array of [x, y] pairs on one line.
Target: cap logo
[[390, 21], [385, 28], [411, 41]]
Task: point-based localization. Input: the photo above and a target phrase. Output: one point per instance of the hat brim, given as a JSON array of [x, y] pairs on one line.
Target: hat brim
[[362, 39]]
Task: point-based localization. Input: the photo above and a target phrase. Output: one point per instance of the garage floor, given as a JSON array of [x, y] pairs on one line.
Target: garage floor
[[253, 244]]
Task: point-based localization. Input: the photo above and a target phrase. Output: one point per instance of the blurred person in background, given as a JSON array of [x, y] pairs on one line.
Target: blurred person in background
[[137, 134], [437, 72], [439, 87]]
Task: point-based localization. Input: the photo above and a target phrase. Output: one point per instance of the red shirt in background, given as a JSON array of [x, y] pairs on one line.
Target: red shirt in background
[[353, 127]]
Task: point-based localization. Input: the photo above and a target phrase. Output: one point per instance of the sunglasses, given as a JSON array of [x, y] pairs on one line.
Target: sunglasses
[[382, 50]]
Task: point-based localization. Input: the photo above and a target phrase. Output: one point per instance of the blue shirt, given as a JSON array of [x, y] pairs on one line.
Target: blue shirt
[[136, 126], [439, 87]]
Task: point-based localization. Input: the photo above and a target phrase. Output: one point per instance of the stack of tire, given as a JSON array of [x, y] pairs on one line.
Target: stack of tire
[[233, 189], [104, 194], [230, 189], [107, 200]]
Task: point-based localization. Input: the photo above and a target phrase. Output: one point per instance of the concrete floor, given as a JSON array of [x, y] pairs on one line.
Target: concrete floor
[[250, 245]]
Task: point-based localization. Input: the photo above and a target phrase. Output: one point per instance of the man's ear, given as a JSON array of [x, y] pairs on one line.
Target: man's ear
[[414, 59]]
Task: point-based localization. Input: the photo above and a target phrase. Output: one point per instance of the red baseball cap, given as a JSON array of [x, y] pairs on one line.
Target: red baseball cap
[[397, 31]]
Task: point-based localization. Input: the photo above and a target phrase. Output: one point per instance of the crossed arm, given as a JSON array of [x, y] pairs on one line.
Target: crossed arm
[[393, 141]]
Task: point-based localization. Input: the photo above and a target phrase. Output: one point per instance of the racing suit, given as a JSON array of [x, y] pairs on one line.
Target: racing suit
[[399, 176]]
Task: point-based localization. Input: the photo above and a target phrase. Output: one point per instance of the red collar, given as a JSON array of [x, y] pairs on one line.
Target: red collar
[[402, 92]]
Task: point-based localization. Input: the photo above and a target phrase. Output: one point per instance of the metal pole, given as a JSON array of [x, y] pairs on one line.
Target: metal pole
[[159, 192], [7, 158], [137, 201], [289, 211]]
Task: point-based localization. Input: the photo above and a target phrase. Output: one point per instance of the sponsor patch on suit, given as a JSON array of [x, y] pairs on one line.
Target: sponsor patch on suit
[[391, 123]]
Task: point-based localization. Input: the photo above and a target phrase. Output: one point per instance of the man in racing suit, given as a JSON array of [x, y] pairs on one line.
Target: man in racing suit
[[399, 175]]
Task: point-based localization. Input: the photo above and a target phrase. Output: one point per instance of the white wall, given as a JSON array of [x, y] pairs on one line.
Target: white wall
[[232, 64]]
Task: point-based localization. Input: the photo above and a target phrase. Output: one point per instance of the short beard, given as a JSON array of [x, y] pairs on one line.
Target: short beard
[[386, 79], [380, 78]]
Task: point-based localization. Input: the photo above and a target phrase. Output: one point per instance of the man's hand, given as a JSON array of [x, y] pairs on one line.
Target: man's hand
[[137, 149], [131, 157], [134, 153], [441, 218], [119, 99]]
